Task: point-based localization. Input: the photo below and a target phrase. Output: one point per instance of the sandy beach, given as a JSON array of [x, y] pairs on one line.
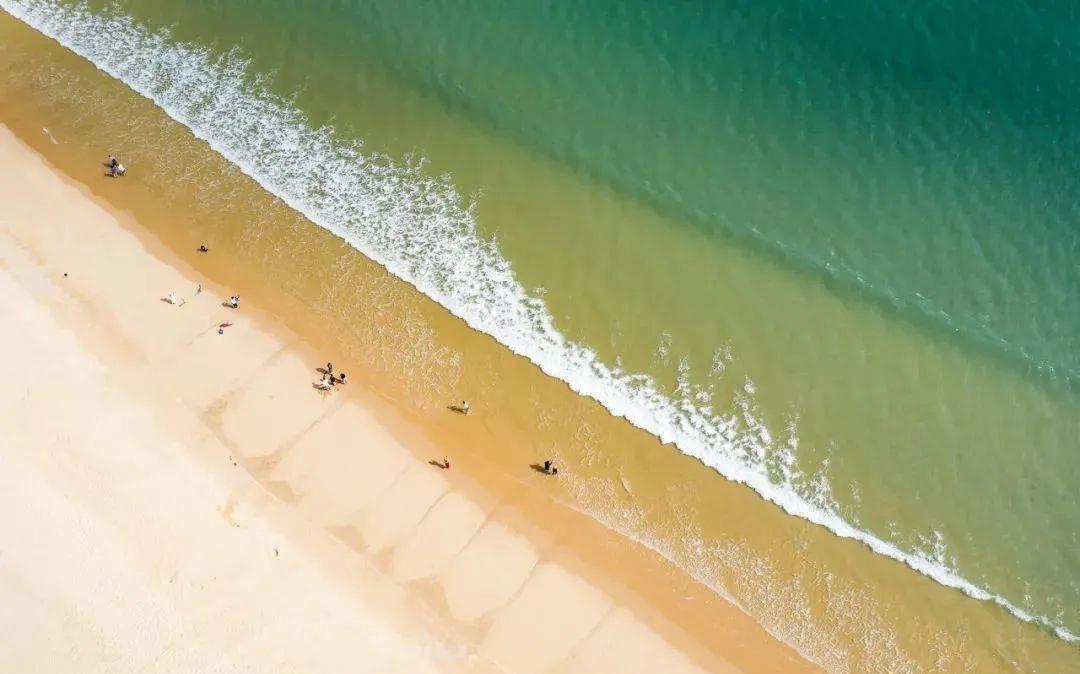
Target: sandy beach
[[177, 496]]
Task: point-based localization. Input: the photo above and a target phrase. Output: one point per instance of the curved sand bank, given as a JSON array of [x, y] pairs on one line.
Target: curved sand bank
[[181, 500]]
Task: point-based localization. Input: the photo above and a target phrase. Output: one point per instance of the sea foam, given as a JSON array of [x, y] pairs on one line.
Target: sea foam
[[422, 230]]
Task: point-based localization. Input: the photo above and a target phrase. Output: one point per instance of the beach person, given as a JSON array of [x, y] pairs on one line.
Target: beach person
[[198, 288], [204, 249], [171, 298], [341, 379], [446, 463], [324, 384], [329, 368], [554, 470], [111, 161], [547, 466], [234, 301], [464, 407]]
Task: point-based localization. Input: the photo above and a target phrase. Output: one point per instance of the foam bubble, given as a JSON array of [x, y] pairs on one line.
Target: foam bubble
[[423, 232]]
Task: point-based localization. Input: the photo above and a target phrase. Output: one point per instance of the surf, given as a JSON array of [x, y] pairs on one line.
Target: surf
[[424, 232]]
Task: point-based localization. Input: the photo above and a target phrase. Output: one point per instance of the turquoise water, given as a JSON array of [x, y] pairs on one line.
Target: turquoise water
[[852, 228], [917, 156]]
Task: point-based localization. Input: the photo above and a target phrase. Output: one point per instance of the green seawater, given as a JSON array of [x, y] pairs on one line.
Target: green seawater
[[858, 222]]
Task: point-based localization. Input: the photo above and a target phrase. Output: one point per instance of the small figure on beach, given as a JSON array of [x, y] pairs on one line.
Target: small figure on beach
[[203, 249], [329, 368], [337, 379], [171, 298], [234, 301], [116, 169], [547, 466], [198, 288], [464, 407], [324, 384], [446, 463]]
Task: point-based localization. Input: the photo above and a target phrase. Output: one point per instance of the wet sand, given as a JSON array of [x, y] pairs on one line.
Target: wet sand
[[194, 503]]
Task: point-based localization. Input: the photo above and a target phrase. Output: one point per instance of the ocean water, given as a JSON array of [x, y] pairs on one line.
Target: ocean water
[[831, 252]]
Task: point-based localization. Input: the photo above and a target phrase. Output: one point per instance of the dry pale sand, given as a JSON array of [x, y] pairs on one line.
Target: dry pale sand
[[174, 499]]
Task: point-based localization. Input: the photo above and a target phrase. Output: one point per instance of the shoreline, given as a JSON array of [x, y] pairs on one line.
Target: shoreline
[[291, 476]]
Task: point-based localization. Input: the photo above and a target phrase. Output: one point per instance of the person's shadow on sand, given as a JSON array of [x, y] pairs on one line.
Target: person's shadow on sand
[[457, 408], [538, 468]]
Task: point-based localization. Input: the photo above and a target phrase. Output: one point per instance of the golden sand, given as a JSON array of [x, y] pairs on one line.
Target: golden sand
[[184, 500]]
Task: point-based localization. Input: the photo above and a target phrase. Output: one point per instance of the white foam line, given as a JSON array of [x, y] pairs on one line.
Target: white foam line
[[421, 230]]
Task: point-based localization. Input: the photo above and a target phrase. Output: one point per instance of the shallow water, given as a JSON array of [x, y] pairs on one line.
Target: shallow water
[[846, 267]]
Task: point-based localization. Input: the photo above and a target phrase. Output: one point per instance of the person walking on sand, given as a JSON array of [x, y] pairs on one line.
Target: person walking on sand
[[329, 368], [547, 466], [446, 463], [234, 301], [464, 406]]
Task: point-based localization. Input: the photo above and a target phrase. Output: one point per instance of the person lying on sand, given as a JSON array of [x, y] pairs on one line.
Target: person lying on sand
[[337, 380], [171, 298], [323, 384]]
